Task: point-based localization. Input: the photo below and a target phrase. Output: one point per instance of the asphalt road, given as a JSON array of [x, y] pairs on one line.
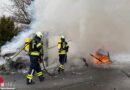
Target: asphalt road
[[86, 78]]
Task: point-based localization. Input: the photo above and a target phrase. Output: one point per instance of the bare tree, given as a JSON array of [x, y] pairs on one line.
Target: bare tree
[[19, 11]]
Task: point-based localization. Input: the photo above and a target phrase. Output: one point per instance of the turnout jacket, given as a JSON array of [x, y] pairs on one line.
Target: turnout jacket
[[35, 46], [63, 47]]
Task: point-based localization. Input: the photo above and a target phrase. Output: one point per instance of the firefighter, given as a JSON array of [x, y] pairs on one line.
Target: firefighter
[[34, 53], [63, 49]]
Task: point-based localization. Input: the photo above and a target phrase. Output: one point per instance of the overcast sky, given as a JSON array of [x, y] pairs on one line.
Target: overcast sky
[[3, 7]]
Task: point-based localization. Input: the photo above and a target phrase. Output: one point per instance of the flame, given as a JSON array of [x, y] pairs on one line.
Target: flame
[[101, 58]]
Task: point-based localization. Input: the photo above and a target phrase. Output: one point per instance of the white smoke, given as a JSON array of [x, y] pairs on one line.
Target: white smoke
[[47, 16], [89, 23], [18, 41]]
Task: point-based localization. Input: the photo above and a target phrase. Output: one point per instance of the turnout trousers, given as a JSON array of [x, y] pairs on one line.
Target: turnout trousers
[[34, 66], [62, 60]]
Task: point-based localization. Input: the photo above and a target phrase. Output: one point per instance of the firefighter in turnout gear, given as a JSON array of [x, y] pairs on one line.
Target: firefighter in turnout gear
[[63, 49], [34, 52]]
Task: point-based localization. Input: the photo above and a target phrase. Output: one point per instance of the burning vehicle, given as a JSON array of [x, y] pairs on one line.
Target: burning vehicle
[[101, 56]]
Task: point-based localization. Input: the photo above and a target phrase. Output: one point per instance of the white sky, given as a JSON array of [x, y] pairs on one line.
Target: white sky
[[3, 7]]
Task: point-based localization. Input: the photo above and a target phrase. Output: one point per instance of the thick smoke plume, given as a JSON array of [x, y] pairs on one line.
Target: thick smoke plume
[[88, 23]]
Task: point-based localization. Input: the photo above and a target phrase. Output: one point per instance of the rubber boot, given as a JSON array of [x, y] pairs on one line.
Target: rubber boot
[[41, 78], [29, 83], [62, 70], [59, 70]]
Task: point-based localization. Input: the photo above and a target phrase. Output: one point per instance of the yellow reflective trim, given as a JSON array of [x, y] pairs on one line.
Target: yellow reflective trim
[[33, 44], [62, 52], [35, 53], [30, 76], [39, 44], [61, 66], [67, 45], [39, 74]]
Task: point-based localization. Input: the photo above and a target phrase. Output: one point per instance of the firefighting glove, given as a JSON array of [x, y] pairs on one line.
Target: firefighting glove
[[39, 60], [60, 50], [67, 50]]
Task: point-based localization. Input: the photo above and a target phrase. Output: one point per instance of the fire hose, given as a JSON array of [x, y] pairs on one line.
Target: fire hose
[[50, 74], [56, 45], [16, 54], [42, 55]]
